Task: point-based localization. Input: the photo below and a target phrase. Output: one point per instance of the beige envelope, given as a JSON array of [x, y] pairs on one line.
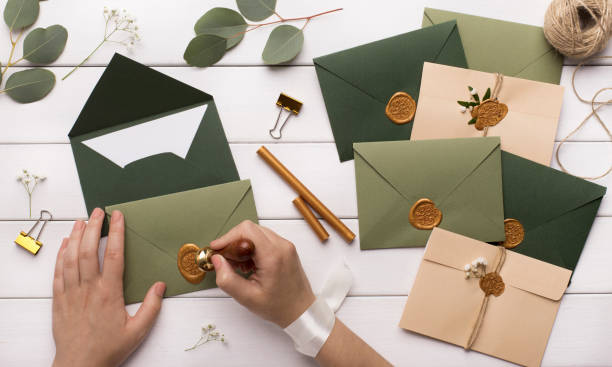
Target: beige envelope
[[443, 304], [528, 130]]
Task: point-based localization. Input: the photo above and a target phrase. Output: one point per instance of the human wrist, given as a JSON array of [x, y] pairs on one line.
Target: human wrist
[[312, 328], [296, 310]]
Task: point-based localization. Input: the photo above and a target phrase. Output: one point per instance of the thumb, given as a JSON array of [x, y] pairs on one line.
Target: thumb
[[149, 310], [229, 281]]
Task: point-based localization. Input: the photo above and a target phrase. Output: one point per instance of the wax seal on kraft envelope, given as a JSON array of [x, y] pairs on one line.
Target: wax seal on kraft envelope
[[489, 113], [515, 233], [193, 262], [400, 108], [492, 283], [424, 214]]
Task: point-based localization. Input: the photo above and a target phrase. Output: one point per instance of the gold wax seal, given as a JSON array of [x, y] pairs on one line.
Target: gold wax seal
[[400, 108], [489, 113], [424, 214], [492, 283], [515, 233], [186, 260]]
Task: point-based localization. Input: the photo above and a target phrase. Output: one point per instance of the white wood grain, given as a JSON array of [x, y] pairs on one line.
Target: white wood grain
[[379, 272], [166, 28], [316, 165], [245, 99], [582, 335]]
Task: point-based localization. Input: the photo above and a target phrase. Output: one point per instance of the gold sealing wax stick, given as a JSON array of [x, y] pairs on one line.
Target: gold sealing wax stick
[[311, 219], [305, 194]]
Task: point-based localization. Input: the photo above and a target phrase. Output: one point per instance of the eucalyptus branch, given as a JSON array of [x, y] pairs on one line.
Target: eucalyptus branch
[[13, 45]]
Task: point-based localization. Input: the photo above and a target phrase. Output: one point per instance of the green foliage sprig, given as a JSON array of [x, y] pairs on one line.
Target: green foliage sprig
[[40, 46], [474, 102], [220, 29]]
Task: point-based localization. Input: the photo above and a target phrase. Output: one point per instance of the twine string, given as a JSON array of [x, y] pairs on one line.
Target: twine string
[[500, 260], [499, 78], [596, 104]]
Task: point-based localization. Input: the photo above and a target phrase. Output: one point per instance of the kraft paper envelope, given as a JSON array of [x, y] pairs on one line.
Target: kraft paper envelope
[[461, 176], [443, 304], [143, 134], [497, 46], [528, 129], [157, 227], [556, 210], [357, 83]]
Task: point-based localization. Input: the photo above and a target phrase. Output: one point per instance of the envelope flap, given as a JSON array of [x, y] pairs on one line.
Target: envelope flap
[[494, 45], [195, 216], [519, 271], [384, 67], [535, 194], [426, 168], [128, 91]]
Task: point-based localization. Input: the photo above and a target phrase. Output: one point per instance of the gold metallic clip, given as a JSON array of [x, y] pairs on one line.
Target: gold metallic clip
[[289, 104], [28, 242]]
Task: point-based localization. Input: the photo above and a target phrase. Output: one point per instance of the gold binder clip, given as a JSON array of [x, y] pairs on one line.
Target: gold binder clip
[[289, 104], [28, 242]]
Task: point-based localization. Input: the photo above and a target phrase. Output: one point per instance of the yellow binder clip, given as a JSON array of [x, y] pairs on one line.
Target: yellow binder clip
[[293, 106], [30, 243]]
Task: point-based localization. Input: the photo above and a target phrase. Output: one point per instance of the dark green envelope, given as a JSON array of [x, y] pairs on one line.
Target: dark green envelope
[[129, 94], [556, 209], [357, 83]]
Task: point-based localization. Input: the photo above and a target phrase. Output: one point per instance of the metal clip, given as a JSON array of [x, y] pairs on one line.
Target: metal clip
[[289, 104], [30, 243]]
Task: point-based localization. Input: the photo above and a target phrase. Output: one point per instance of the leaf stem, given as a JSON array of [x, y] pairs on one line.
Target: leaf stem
[[13, 44], [283, 20], [85, 59]]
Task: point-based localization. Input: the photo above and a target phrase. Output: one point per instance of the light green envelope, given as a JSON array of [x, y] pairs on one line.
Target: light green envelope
[[157, 227], [497, 46], [461, 176]]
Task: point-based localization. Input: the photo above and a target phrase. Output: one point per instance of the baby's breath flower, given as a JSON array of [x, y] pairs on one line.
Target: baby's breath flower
[[29, 182], [209, 333]]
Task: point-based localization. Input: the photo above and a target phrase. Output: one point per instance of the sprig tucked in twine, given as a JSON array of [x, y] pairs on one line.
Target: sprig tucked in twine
[[594, 102]]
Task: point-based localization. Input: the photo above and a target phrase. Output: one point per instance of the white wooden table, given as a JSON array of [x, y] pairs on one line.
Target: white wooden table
[[34, 137]]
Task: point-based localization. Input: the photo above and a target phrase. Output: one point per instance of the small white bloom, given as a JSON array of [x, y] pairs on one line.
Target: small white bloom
[[474, 92], [462, 109], [467, 267]]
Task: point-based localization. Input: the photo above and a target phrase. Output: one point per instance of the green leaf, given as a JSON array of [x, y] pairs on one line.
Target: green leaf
[[464, 104], [470, 88], [205, 50], [472, 121], [476, 98], [487, 94], [21, 13], [256, 10], [45, 45], [222, 22], [30, 85], [284, 43], [473, 104]]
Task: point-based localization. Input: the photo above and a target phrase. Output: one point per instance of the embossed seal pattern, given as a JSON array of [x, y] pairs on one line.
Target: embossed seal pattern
[[424, 214], [515, 233], [492, 283], [489, 113], [187, 264], [400, 108]]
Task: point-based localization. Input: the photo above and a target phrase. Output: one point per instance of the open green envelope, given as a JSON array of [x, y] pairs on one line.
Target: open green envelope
[[497, 46], [157, 227], [461, 176], [357, 83], [142, 134], [556, 210]]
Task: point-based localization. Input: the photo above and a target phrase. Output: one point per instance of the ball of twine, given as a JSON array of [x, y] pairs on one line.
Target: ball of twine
[[578, 28]]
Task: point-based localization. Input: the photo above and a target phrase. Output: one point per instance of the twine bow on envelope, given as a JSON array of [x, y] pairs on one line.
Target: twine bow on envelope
[[491, 284]]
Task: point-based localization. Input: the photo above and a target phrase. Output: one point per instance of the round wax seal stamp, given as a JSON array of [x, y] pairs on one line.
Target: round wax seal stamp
[[424, 214], [489, 113], [186, 260], [492, 283], [400, 108], [515, 233]]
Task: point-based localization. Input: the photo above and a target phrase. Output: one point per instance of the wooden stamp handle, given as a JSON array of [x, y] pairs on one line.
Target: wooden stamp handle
[[241, 250]]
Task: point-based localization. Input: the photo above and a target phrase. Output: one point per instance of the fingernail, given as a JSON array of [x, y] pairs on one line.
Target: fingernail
[[116, 217], [160, 288], [97, 213]]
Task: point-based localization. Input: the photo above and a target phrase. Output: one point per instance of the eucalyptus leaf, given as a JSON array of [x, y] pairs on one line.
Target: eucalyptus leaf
[[476, 98], [464, 104], [472, 121], [256, 10], [45, 45], [284, 43], [487, 94], [222, 22], [21, 13], [30, 85], [205, 50]]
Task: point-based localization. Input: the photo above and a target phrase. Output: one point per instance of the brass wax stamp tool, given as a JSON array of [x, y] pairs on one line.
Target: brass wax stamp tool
[[194, 262]]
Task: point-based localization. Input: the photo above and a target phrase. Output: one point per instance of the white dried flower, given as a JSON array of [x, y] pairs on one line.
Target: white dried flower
[[473, 92], [467, 267], [462, 109]]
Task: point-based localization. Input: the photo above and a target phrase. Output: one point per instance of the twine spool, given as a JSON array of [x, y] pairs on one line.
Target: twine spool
[[578, 28]]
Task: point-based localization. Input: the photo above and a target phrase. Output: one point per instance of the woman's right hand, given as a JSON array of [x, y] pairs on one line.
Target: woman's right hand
[[278, 290]]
